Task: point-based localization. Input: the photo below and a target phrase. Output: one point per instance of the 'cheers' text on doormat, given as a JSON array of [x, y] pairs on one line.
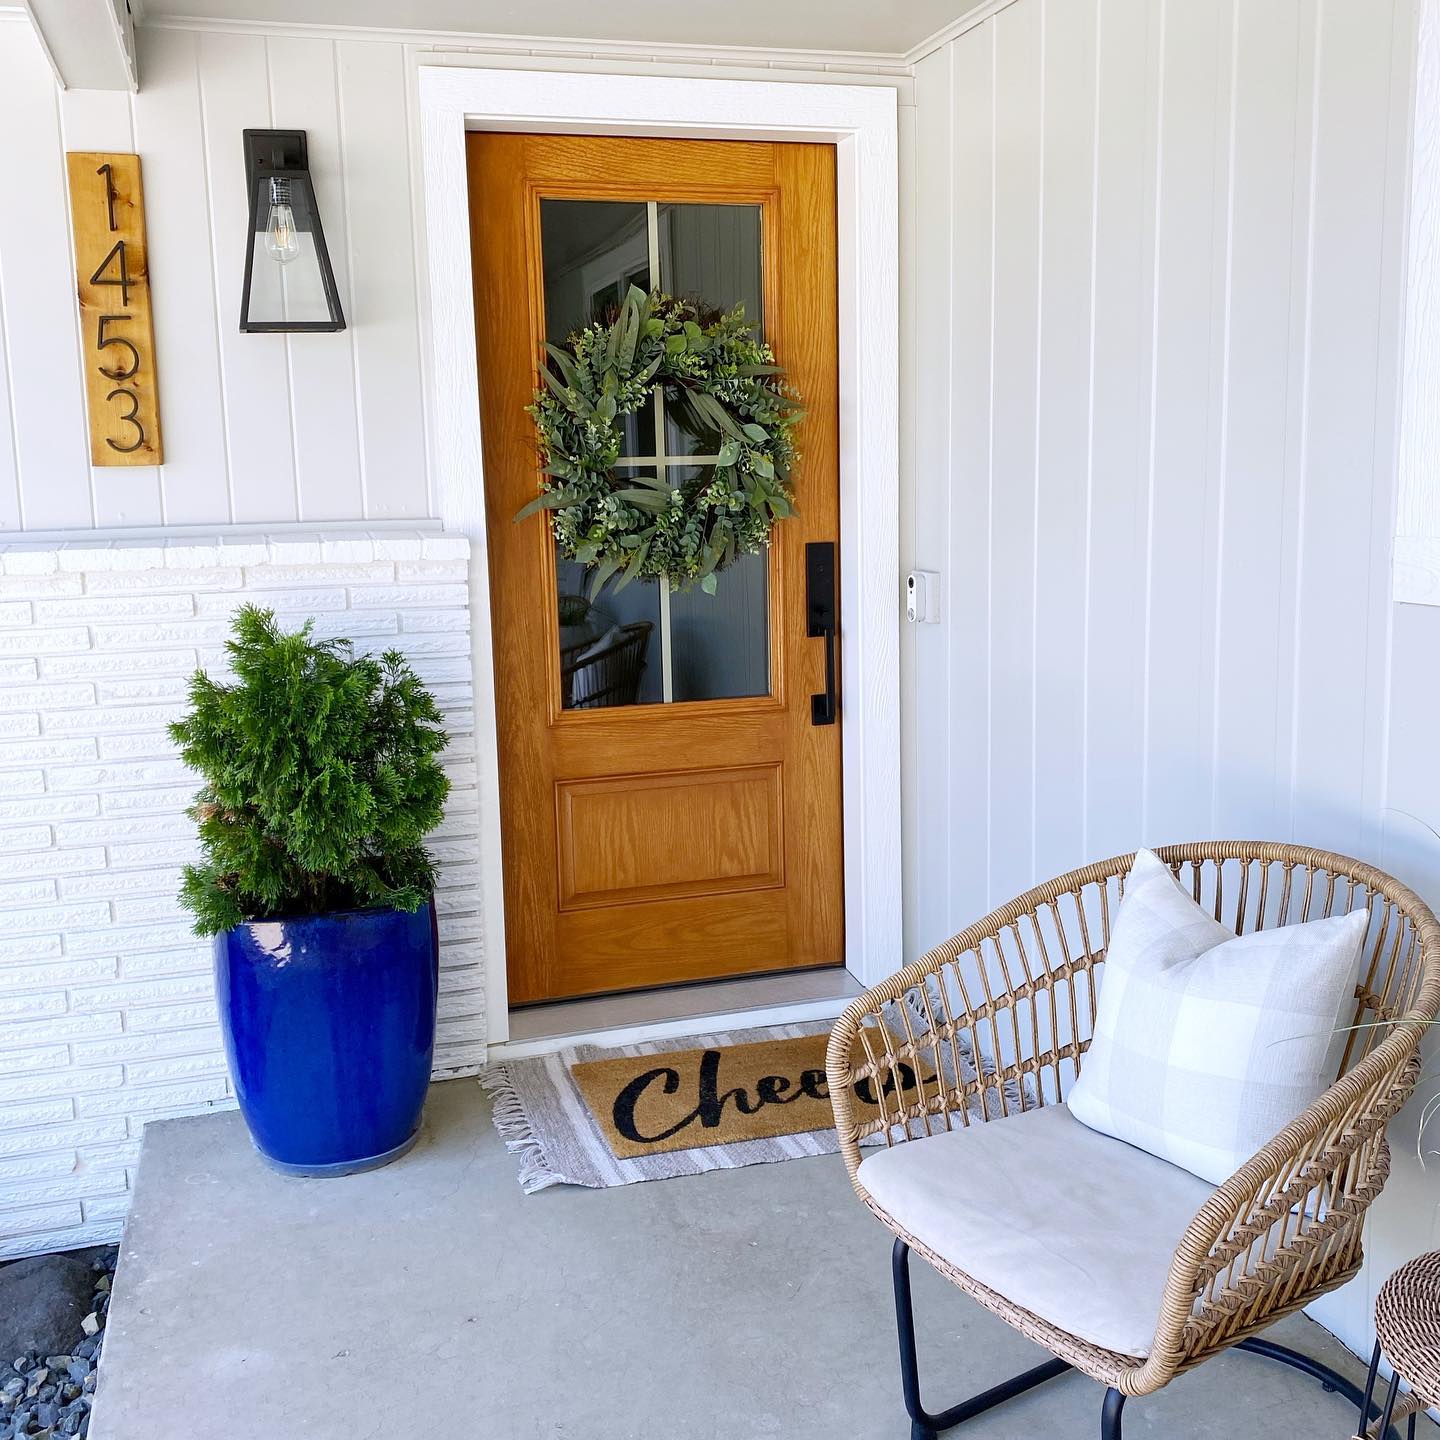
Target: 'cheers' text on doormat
[[714, 1095]]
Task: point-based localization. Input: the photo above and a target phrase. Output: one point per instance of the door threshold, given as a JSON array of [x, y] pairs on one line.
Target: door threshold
[[678, 1010]]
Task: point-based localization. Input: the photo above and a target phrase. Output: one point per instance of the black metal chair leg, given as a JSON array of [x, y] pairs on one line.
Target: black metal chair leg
[[1384, 1428], [1367, 1405], [1332, 1380], [924, 1425], [1367, 1401], [920, 1429], [927, 1426], [1110, 1415]]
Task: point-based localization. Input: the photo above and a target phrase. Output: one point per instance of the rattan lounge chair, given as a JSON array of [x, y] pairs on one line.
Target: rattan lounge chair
[[1017, 990]]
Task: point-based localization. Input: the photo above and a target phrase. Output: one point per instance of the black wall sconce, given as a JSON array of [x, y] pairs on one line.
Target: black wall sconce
[[289, 285]]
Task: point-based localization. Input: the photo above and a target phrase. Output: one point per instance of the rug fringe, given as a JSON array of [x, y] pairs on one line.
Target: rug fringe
[[512, 1124]]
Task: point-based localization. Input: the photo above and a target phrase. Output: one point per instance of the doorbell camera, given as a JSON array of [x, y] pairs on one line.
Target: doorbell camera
[[922, 597]]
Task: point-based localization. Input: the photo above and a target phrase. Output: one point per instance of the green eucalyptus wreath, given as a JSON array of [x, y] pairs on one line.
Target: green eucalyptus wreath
[[721, 385]]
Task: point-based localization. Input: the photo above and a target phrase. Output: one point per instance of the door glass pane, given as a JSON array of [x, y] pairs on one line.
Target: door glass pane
[[720, 643], [592, 252], [609, 646], [709, 254], [645, 644]]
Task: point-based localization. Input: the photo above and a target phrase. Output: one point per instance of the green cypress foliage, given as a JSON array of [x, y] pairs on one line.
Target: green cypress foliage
[[320, 779]]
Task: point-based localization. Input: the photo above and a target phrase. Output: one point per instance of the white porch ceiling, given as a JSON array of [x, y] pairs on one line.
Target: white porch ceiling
[[862, 26]]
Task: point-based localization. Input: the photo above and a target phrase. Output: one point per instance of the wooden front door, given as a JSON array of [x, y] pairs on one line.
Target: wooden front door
[[669, 810]]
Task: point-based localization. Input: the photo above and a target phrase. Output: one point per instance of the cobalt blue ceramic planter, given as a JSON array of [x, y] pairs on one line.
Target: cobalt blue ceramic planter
[[329, 1026]]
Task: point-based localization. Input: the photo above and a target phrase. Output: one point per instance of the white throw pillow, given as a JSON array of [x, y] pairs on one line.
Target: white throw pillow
[[1207, 1045]]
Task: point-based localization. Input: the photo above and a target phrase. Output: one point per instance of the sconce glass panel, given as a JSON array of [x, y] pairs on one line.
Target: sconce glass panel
[[289, 284]]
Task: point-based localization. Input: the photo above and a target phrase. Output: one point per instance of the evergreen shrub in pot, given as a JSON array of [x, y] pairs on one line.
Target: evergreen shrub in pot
[[321, 781]]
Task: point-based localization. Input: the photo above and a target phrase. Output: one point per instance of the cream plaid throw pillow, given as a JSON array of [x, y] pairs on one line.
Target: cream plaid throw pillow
[[1207, 1045]]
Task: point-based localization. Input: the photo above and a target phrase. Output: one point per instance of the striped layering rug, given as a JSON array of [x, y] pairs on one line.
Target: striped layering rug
[[600, 1117]]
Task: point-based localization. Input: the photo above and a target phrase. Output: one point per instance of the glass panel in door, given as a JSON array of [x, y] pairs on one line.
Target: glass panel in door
[[721, 642], [709, 254], [644, 644], [593, 251]]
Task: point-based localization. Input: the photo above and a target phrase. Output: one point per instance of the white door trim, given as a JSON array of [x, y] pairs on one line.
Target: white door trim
[[861, 122]]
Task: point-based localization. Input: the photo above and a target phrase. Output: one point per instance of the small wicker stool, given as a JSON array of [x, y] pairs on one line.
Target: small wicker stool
[[1407, 1330]]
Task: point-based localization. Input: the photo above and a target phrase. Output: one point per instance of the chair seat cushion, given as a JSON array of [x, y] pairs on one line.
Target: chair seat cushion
[[1073, 1226]]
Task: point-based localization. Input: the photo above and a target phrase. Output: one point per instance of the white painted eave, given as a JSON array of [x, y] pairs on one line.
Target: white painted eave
[[545, 45], [957, 27], [90, 44], [897, 61], [121, 71]]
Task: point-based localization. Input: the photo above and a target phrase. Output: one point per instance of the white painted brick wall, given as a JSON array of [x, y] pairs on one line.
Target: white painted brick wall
[[107, 1011]]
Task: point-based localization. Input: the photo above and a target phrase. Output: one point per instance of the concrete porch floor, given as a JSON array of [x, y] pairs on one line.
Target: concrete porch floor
[[434, 1299]]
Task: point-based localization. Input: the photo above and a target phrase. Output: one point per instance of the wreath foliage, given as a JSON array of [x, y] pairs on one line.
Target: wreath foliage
[[721, 385]]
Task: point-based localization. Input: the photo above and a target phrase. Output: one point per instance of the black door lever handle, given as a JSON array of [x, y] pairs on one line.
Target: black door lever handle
[[823, 707], [822, 620]]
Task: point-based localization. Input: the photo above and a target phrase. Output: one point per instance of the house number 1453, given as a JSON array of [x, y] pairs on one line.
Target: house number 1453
[[107, 211]]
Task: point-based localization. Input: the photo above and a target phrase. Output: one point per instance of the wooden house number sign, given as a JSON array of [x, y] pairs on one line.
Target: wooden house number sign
[[107, 210]]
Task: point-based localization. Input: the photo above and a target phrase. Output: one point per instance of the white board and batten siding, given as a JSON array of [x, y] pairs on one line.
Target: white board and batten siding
[[258, 428], [1157, 253], [1158, 249]]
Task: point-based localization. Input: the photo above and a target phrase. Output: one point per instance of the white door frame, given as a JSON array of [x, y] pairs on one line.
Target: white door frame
[[860, 120]]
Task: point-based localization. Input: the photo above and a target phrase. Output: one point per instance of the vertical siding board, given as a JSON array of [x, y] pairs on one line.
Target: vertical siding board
[[1188, 251], [1016, 263], [37, 275], [1419, 500], [968, 592], [322, 367], [383, 299], [927, 520], [1120, 348], [12, 515], [911, 442], [1348, 263], [235, 92], [1251, 655], [1390, 394], [1307, 130], [169, 136], [101, 120], [412, 57], [1063, 434]]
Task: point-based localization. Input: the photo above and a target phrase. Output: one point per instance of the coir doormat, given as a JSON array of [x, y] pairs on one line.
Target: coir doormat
[[587, 1116]]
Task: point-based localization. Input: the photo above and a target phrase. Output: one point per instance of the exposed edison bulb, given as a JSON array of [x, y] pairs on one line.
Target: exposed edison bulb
[[282, 237]]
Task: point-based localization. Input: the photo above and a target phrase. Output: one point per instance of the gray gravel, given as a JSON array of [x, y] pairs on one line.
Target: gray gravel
[[43, 1396]]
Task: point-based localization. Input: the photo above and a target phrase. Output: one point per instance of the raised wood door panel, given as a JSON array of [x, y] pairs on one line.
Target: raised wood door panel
[[658, 843], [687, 832]]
